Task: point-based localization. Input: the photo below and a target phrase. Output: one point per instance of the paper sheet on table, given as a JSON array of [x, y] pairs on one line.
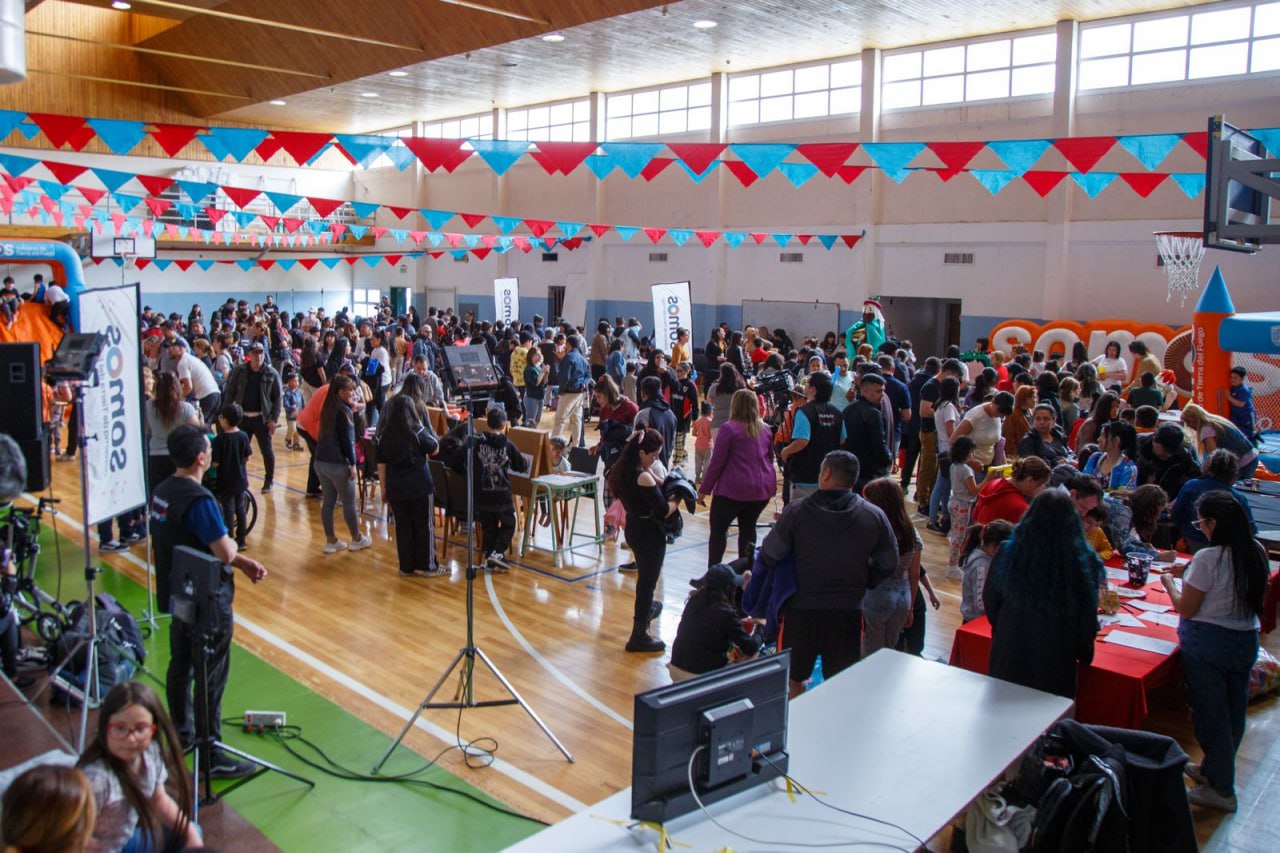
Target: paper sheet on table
[[1125, 619], [1138, 641], [1170, 619], [1118, 575], [1148, 606]]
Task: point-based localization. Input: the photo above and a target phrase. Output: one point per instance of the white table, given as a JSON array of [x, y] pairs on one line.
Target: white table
[[894, 737]]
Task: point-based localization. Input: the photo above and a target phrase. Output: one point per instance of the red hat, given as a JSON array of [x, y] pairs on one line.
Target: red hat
[[154, 333]]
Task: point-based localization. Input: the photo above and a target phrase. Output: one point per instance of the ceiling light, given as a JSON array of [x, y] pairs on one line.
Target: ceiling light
[[397, 73], [121, 5], [368, 94], [704, 25], [277, 103], [554, 38]]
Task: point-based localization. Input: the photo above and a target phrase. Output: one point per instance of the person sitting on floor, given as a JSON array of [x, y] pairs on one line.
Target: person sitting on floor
[[48, 809], [711, 627]]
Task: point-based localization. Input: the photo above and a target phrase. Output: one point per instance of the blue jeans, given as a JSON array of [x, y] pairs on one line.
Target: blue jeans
[[941, 491], [1217, 661]]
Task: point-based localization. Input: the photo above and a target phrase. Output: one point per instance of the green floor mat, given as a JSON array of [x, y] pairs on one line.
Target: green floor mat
[[337, 814]]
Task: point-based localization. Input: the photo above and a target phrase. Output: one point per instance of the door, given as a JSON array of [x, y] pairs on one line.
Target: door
[[399, 300], [555, 302]]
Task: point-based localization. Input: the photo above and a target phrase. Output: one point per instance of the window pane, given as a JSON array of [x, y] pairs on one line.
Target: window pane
[[451, 130], [946, 60], [675, 98], [775, 83], [582, 131], [432, 131], [700, 95], [898, 95], [644, 102], [990, 54], [618, 128], [744, 112], [901, 66], [775, 109], [1266, 55], [811, 79], [1218, 60], [1159, 67], [582, 111], [1163, 32], [538, 117], [811, 105], [1266, 20], [618, 105], [700, 118], [469, 127], [562, 114], [645, 125], [673, 122], [1036, 80], [988, 84], [847, 74], [943, 90], [516, 120], [1030, 50], [1104, 41], [742, 88], [844, 101], [1220, 26], [1104, 73]]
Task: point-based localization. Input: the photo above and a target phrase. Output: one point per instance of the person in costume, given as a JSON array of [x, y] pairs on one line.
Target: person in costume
[[868, 330]]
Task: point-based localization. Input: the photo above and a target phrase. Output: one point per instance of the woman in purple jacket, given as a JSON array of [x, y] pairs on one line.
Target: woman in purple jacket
[[740, 477]]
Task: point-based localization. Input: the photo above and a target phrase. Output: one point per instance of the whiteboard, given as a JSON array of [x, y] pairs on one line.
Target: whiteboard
[[799, 319]]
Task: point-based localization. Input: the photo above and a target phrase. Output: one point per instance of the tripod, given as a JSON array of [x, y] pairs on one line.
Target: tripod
[[465, 660]]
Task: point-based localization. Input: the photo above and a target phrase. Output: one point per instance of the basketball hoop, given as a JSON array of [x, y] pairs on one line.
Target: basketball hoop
[[1181, 252], [130, 260]]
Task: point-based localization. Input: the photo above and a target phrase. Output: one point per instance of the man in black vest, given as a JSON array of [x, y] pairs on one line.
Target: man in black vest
[[186, 513], [818, 430]]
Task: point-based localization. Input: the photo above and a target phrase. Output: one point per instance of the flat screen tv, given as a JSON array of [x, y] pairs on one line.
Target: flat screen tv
[[733, 718]]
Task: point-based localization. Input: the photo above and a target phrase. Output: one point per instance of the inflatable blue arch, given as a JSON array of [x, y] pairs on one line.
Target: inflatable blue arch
[[66, 264]]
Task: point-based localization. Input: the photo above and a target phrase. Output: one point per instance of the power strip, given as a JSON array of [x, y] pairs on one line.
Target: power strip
[[262, 720]]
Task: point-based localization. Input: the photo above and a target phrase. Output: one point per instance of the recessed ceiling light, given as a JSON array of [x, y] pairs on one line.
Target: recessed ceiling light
[[277, 103], [553, 38], [121, 5], [510, 64], [368, 94], [397, 73], [705, 25]]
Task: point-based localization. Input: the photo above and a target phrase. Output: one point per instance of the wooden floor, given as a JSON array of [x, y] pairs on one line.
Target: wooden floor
[[375, 643]]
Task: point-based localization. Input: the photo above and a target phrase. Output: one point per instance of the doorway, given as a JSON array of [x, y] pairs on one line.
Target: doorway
[[555, 302], [931, 324], [399, 301]]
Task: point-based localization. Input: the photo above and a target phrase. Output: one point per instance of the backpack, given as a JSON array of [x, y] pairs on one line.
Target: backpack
[[120, 647], [1079, 799]]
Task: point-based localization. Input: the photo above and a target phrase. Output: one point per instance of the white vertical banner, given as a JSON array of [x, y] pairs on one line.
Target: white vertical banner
[[113, 405], [672, 310], [506, 299]]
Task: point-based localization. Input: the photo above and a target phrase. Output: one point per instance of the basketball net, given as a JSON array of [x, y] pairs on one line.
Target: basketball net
[[1181, 252]]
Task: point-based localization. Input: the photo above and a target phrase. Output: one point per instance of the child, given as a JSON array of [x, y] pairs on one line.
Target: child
[[1095, 521], [980, 545], [964, 491], [712, 625], [48, 808], [135, 753], [684, 402], [535, 387], [292, 405], [629, 383], [10, 301], [701, 442], [229, 452], [559, 461], [495, 507], [912, 639], [1240, 400]]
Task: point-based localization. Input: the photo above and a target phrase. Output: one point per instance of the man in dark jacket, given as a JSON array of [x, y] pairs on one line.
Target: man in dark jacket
[[1163, 459], [842, 547], [656, 414], [256, 387], [865, 433]]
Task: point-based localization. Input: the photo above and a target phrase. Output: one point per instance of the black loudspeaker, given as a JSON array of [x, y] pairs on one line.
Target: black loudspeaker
[[36, 451], [22, 414]]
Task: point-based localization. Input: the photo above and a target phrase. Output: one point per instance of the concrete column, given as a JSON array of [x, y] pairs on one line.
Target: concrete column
[[1058, 220], [868, 193]]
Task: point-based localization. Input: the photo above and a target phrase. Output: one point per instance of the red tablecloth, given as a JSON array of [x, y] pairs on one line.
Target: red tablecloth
[[1112, 691]]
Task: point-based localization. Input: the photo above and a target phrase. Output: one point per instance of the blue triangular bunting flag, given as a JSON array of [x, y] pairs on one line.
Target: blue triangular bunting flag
[[434, 238], [632, 157], [993, 180], [459, 254], [215, 147], [287, 264], [358, 231], [243, 217], [399, 155], [436, 219], [735, 238], [16, 165], [126, 201], [600, 166], [1270, 137], [120, 136], [53, 189], [893, 157], [364, 209], [365, 148], [196, 190], [284, 202], [399, 234], [29, 129], [372, 260], [1019, 154], [472, 240], [626, 232], [828, 240], [798, 173], [762, 158], [507, 224], [247, 265], [330, 262], [111, 179], [1093, 182], [9, 120], [695, 176], [569, 229], [679, 236], [317, 226], [1191, 183], [162, 264], [1150, 149], [239, 142], [500, 154], [781, 239], [186, 210]]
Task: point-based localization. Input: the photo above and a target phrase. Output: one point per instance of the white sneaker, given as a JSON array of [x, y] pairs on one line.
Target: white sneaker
[[1203, 795], [335, 547], [361, 543]]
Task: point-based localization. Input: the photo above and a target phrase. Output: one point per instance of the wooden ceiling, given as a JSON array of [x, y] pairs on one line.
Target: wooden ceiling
[[323, 54]]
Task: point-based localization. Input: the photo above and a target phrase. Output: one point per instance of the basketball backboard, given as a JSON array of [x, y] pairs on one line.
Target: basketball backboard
[[1240, 185], [107, 243]]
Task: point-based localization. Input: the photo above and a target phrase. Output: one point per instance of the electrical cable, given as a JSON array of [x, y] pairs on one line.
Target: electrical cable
[[782, 844]]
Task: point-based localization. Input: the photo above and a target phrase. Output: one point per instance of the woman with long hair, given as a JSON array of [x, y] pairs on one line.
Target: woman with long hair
[[1218, 475], [48, 809], [1018, 423], [1213, 431], [404, 442], [1041, 597], [1105, 409], [1146, 504], [1079, 356], [1112, 368], [640, 491], [1090, 388], [134, 758], [736, 354], [1045, 438], [1219, 605], [311, 370], [886, 609], [164, 411], [335, 461], [1068, 403], [337, 356], [740, 478], [720, 394], [1113, 465], [714, 352]]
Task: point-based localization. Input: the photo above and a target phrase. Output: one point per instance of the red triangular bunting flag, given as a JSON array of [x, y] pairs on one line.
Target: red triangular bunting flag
[[215, 215], [804, 239], [173, 137], [655, 167], [759, 237], [850, 239], [58, 129], [345, 153], [538, 227], [473, 219], [64, 173], [417, 237], [81, 138], [242, 196], [336, 228], [849, 174], [1084, 152], [171, 230], [521, 243], [1143, 183], [148, 227], [401, 212], [745, 175], [829, 157], [142, 263], [1198, 142], [157, 206], [91, 195], [324, 206], [947, 174], [564, 156], [489, 240], [481, 252], [707, 237], [270, 221], [698, 156], [292, 225], [956, 155], [572, 243], [184, 265], [453, 240], [1043, 182], [437, 153], [435, 256], [655, 234], [548, 165], [308, 263], [600, 230], [301, 146], [266, 264], [393, 259], [267, 148], [379, 232], [155, 184]]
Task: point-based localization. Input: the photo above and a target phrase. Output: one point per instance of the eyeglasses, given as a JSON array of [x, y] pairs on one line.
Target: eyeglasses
[[1198, 524], [123, 730]]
